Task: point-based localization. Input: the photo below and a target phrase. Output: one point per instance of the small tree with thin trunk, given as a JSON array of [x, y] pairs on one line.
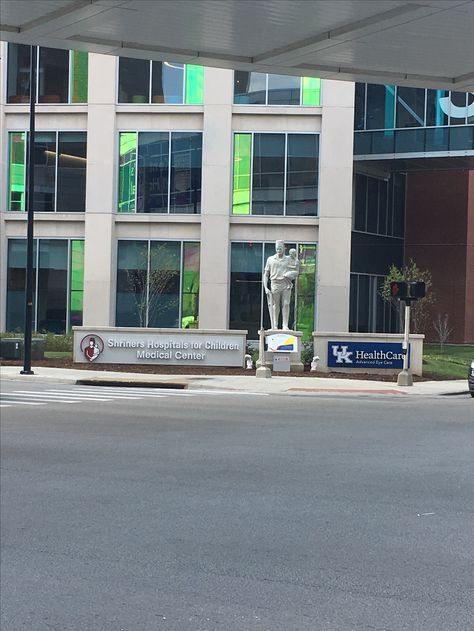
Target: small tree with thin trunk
[[443, 329], [148, 287]]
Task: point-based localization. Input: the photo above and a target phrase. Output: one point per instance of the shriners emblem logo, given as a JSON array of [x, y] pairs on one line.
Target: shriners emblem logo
[[342, 354], [92, 346]]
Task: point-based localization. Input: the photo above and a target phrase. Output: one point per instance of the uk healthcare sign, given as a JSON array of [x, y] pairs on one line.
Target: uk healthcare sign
[[365, 355]]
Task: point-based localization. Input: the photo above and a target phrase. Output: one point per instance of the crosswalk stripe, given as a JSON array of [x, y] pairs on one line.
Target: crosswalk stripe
[[147, 392], [38, 397], [28, 402], [56, 397], [110, 397], [3, 405]]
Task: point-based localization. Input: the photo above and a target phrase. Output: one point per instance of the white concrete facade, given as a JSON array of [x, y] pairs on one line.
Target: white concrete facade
[[215, 228]]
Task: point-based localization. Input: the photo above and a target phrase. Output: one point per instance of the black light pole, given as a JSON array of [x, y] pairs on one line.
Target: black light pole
[[30, 198]]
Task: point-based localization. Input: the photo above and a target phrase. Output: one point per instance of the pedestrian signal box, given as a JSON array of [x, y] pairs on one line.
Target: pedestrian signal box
[[413, 290], [398, 289]]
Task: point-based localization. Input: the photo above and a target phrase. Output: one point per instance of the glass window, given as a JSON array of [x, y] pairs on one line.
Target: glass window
[[134, 80], [268, 183], [45, 171], [18, 73], [72, 161], [190, 286], [16, 284], [76, 298], [360, 203], [435, 116], [246, 287], [127, 171], [305, 291], [153, 172], [53, 84], [54, 261], [132, 278], [79, 76], [380, 106], [410, 107], [311, 91], [17, 171], [372, 204], [410, 140], [242, 174], [194, 84], [399, 205], [457, 109], [52, 285], [359, 110], [302, 174], [186, 163], [382, 209], [250, 87], [167, 82], [461, 139], [157, 284], [163, 284], [283, 90]]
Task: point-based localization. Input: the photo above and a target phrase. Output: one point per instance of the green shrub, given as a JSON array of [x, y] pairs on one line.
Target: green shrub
[[62, 342]]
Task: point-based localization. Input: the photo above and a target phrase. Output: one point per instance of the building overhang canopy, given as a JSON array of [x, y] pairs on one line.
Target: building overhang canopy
[[415, 42]]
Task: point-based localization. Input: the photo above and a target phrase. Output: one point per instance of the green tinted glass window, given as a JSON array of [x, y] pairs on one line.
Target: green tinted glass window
[[16, 184], [190, 286], [127, 172], [76, 282], [306, 290], [311, 91], [241, 182], [194, 84], [79, 75]]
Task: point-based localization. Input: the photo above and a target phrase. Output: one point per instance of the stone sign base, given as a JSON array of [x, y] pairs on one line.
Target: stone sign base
[[166, 347], [295, 357]]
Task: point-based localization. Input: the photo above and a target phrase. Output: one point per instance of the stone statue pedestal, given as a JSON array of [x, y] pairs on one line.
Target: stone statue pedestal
[[296, 364]]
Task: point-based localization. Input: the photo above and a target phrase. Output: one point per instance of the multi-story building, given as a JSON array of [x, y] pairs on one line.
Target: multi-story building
[[160, 189]]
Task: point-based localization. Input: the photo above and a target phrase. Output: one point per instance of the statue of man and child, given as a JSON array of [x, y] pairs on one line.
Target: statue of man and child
[[280, 272]]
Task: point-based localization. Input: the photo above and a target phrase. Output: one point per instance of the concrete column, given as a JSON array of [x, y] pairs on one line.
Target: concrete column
[[216, 192], [99, 255], [336, 160]]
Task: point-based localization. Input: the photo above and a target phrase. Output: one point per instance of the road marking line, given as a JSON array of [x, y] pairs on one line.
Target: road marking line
[[55, 397], [28, 402], [4, 405], [144, 393]]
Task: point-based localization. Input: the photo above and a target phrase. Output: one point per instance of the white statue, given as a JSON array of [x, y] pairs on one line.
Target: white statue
[[281, 271]]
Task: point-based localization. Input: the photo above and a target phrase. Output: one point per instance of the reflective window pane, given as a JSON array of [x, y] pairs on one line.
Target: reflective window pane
[[410, 107], [45, 171], [246, 287], [153, 172], [302, 174], [164, 284], [127, 171], [283, 90], [79, 76], [18, 73], [372, 204], [167, 82], [72, 163], [457, 110], [268, 174], [17, 171], [190, 286], [186, 167], [380, 106], [76, 282], [250, 87], [194, 84], [16, 283], [359, 110], [52, 285], [132, 279], [305, 295], [436, 106], [134, 80], [53, 84], [360, 202]]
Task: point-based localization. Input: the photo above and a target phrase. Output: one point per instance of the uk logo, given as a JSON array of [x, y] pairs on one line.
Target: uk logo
[[342, 355]]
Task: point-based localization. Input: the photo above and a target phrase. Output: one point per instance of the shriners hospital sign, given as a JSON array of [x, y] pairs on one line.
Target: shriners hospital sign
[[163, 346]]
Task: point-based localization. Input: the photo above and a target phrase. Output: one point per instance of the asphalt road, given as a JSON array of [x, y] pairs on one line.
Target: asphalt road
[[237, 512]]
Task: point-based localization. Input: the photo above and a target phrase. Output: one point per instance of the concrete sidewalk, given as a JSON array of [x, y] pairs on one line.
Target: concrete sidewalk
[[241, 383]]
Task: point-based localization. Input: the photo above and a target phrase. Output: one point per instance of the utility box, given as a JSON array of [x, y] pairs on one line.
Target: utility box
[[12, 348], [281, 362]]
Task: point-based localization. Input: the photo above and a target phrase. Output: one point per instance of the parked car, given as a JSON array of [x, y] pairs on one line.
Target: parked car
[[470, 379]]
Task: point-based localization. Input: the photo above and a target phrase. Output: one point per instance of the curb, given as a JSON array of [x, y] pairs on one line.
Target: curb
[[126, 383]]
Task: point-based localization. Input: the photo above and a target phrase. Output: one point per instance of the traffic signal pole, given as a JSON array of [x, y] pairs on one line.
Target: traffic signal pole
[[405, 378]]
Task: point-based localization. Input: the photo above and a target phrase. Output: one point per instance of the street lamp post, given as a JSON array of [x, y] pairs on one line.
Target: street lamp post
[[30, 196]]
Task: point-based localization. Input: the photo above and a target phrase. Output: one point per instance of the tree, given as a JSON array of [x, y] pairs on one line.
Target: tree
[[443, 329], [148, 283], [419, 308]]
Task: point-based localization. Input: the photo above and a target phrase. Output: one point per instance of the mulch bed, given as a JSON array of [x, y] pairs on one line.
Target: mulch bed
[[153, 369]]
